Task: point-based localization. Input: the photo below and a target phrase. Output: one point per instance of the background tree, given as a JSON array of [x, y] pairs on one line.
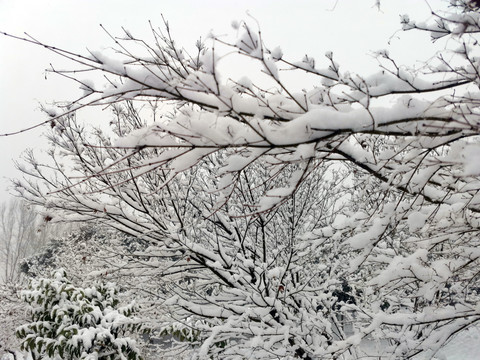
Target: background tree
[[21, 235], [23, 232], [216, 184]]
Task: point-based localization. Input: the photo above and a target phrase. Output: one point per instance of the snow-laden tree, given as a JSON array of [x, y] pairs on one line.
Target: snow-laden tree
[[206, 263], [265, 246]]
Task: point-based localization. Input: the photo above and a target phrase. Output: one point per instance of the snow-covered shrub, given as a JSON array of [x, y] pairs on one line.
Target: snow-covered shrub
[[77, 323]]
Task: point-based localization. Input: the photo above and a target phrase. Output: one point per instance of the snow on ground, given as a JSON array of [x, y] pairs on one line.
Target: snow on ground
[[465, 346]]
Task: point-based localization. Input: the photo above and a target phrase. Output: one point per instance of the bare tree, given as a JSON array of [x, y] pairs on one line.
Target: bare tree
[[21, 234], [274, 214]]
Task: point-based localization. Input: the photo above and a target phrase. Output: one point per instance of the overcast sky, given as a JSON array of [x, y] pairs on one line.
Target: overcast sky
[[350, 28]]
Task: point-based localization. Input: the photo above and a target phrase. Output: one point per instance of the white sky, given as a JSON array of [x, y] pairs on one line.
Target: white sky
[[350, 28]]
